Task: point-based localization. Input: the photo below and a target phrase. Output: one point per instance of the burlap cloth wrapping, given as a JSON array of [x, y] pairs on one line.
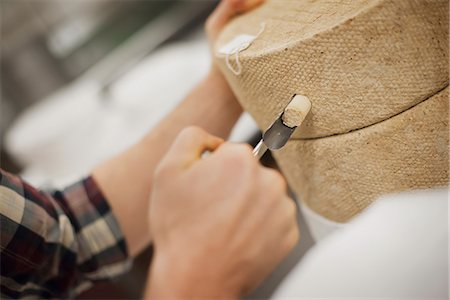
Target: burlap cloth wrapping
[[376, 73]]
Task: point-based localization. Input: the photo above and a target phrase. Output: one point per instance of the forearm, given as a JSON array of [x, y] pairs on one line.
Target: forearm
[[126, 179], [210, 105]]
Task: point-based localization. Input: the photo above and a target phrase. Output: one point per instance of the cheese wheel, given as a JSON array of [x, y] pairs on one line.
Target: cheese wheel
[[376, 72]]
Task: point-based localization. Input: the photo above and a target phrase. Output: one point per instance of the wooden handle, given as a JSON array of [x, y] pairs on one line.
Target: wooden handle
[[296, 111]]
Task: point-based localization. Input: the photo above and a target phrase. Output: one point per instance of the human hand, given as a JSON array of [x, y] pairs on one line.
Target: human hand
[[220, 224], [225, 11]]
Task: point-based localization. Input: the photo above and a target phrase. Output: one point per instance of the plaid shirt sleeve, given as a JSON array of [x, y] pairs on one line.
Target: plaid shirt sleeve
[[54, 245]]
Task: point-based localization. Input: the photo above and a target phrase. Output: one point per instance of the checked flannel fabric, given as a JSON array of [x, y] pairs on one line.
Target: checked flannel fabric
[[54, 245]]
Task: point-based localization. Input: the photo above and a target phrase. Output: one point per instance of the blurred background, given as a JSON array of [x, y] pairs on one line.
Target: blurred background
[[81, 80], [52, 50]]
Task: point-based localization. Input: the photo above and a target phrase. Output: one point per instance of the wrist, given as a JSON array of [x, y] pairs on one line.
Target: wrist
[[216, 75], [172, 277]]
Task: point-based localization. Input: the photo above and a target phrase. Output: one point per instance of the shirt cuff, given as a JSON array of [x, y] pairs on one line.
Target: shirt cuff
[[102, 252]]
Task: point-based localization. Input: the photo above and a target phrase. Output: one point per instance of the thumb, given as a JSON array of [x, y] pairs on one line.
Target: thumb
[[189, 145]]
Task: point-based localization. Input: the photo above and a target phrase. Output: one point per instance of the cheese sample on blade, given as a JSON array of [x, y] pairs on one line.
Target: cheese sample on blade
[[296, 111]]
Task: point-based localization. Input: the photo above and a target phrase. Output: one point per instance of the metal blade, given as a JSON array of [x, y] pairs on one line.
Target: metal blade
[[277, 135]]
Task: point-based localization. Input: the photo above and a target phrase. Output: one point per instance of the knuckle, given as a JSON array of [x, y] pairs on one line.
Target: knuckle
[[280, 181], [291, 210], [246, 159], [292, 238], [238, 158], [277, 181], [274, 188], [244, 151], [295, 236], [241, 153]]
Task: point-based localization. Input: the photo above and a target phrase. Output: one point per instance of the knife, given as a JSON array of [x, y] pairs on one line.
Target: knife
[[281, 130]]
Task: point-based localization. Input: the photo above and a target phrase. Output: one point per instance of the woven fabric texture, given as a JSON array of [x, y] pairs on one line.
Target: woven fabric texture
[[376, 72], [339, 176], [377, 59]]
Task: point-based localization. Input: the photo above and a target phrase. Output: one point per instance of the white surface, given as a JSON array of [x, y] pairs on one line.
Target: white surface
[[397, 249], [318, 226], [64, 136]]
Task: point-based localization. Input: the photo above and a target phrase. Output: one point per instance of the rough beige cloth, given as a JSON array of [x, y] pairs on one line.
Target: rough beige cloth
[[364, 65], [338, 176]]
